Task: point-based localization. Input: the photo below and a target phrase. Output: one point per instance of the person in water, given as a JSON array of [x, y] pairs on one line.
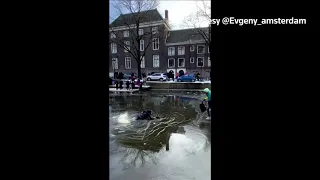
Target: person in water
[[208, 99], [146, 115]]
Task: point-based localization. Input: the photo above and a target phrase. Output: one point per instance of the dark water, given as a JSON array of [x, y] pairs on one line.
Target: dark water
[[175, 147]]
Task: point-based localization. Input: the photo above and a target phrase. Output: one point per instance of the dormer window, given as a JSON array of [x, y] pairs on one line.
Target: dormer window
[[140, 32], [154, 30], [125, 33]]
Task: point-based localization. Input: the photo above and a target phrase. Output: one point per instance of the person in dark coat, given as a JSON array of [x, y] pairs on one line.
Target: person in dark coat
[[198, 76], [127, 85], [117, 85], [121, 84], [120, 75], [146, 115]]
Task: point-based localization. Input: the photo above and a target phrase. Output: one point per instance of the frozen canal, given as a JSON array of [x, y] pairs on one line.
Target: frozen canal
[[176, 147]]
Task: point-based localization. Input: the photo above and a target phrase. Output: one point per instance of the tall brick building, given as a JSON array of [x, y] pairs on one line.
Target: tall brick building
[[164, 49]]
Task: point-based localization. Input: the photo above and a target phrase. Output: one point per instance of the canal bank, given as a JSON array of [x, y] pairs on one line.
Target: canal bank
[[179, 85]]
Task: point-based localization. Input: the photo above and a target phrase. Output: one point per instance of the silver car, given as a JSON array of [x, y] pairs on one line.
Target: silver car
[[157, 77]]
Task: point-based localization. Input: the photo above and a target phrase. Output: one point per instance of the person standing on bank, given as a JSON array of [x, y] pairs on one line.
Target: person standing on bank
[[208, 99], [127, 85], [117, 84]]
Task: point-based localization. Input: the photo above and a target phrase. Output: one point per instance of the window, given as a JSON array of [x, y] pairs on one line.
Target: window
[[140, 32], [125, 33], [181, 62], [192, 60], [127, 46], [171, 51], [154, 30], [113, 48], [209, 62], [181, 50], [171, 63], [114, 63], [156, 62], [113, 35], [208, 49], [200, 49], [127, 62], [192, 48], [155, 43], [143, 63], [200, 61], [141, 45]]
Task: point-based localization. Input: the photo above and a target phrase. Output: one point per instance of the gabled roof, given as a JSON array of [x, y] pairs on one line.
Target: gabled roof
[[186, 35], [144, 16]]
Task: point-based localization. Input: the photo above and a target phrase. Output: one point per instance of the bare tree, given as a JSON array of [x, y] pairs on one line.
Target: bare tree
[[131, 16], [199, 20]]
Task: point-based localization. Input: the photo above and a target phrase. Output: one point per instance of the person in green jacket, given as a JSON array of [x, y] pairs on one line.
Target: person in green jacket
[[208, 99]]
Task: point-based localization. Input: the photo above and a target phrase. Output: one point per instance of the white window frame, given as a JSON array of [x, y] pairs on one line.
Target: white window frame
[[143, 63], [125, 33], [154, 30], [115, 63], [192, 60], [141, 45], [204, 47], [184, 62], [181, 50], [174, 63], [155, 41], [140, 32], [209, 62], [127, 45], [171, 51], [156, 61], [198, 61], [113, 48], [191, 48], [113, 35], [127, 59]]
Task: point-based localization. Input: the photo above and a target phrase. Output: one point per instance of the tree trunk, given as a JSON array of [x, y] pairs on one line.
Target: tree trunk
[[139, 75], [139, 70]]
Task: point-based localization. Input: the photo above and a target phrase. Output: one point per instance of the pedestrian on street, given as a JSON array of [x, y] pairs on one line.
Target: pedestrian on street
[[117, 84], [127, 85], [138, 82], [121, 84], [198, 76]]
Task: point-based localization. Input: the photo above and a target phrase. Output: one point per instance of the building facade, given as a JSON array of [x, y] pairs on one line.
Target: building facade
[[164, 50]]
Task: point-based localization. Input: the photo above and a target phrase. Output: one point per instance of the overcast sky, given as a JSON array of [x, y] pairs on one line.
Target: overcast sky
[[177, 9]]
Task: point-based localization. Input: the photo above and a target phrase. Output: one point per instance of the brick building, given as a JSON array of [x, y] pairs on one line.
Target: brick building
[[164, 49]]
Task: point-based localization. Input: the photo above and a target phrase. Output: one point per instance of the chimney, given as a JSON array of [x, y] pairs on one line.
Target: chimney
[[166, 15]]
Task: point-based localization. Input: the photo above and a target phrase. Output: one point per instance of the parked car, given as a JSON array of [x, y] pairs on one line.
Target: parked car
[[127, 76], [186, 78], [157, 77]]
